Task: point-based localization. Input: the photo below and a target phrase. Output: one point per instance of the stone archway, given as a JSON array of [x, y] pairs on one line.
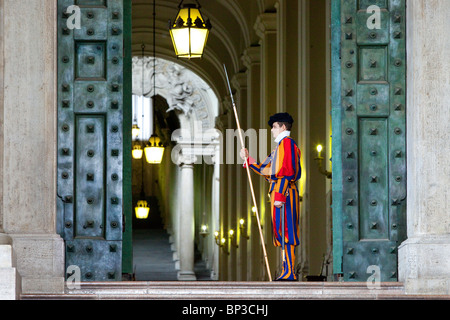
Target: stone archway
[[184, 91]]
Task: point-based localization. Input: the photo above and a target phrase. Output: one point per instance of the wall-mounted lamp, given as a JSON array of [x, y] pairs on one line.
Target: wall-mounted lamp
[[204, 230], [220, 243], [233, 241], [319, 150], [319, 160], [216, 237], [243, 230], [253, 211]]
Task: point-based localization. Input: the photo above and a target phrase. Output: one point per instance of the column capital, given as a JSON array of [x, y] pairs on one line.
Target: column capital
[[183, 155], [186, 160], [251, 55], [266, 23], [239, 81]]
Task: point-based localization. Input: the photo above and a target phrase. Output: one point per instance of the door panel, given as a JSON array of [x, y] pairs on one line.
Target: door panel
[[90, 137], [373, 176], [372, 138], [89, 176]]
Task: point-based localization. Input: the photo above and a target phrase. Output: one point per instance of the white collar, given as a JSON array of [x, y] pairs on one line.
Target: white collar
[[282, 135]]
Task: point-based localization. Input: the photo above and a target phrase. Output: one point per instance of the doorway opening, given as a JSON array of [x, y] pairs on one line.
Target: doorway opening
[[152, 255], [179, 107]]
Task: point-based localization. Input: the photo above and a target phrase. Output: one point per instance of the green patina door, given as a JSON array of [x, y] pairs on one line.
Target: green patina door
[[91, 139], [369, 148]]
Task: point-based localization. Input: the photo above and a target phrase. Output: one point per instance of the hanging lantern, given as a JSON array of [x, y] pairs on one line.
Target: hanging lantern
[[189, 31], [142, 210], [135, 130], [137, 151], [154, 150]]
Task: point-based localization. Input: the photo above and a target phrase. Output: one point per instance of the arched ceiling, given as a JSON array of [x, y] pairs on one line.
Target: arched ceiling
[[231, 34]]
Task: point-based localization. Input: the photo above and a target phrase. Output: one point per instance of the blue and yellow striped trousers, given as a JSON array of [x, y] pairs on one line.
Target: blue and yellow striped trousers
[[291, 230]]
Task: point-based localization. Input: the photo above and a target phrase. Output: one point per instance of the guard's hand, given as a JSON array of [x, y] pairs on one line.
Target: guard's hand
[[278, 204], [244, 153]]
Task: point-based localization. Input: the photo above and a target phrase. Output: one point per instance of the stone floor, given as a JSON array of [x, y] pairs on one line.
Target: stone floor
[[153, 257], [156, 278], [232, 290]]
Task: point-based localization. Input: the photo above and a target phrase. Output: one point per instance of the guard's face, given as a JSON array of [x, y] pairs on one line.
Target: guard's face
[[276, 129]]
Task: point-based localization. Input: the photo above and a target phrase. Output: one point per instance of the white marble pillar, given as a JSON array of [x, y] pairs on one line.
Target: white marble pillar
[[424, 258], [215, 219], [175, 209], [187, 223]]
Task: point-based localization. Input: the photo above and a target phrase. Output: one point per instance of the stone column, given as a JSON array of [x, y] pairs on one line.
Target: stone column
[[266, 29], [28, 149], [175, 212], [230, 212], [281, 22], [252, 61], [187, 225], [424, 258], [239, 81], [215, 219]]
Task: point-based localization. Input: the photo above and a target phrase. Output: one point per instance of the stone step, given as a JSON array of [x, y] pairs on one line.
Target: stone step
[[218, 290]]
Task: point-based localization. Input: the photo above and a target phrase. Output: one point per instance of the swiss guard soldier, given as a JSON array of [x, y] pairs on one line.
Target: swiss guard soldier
[[282, 169]]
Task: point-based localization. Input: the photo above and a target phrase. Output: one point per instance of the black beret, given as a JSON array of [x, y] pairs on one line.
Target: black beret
[[281, 117]]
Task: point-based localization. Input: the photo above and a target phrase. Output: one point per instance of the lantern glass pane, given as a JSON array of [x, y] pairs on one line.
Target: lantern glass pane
[[198, 40], [180, 38]]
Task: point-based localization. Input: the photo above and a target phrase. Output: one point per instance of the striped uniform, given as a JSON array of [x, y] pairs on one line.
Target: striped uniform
[[282, 169]]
